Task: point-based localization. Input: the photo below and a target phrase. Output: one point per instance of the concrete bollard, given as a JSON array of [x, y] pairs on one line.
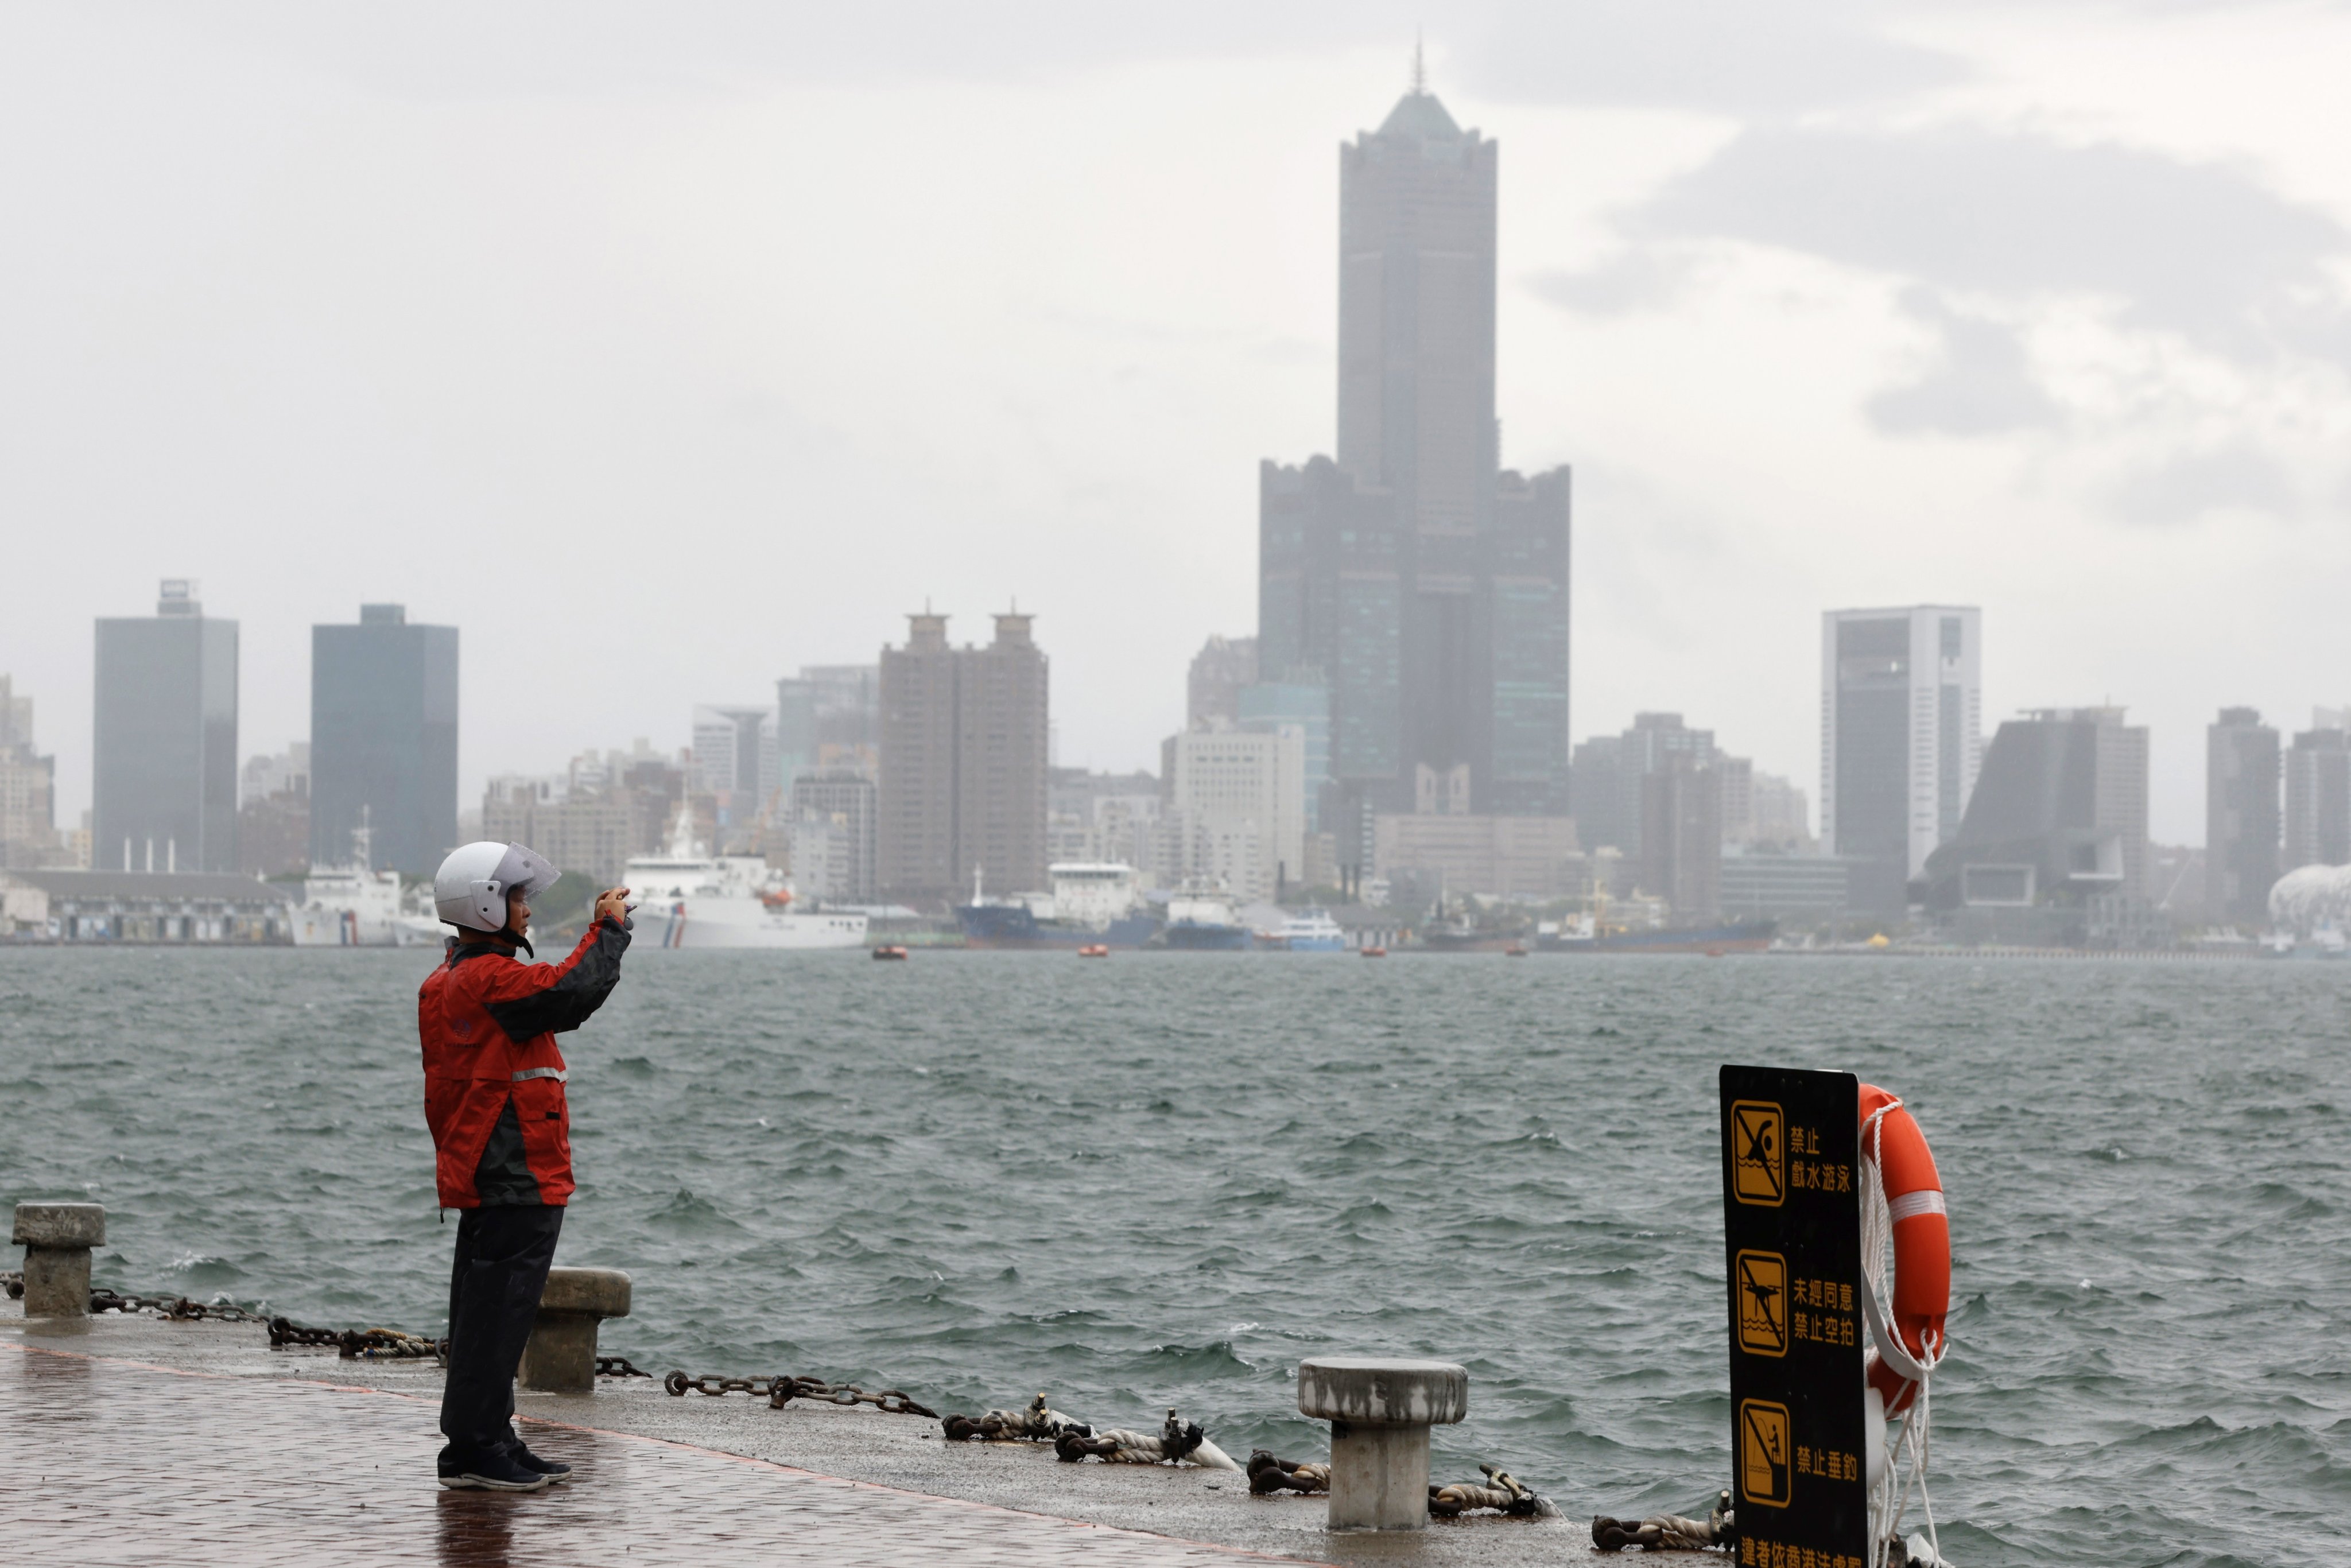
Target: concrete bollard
[[560, 1357], [1380, 1413], [57, 1238]]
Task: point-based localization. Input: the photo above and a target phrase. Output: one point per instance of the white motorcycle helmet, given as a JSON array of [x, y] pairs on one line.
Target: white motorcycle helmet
[[474, 883]]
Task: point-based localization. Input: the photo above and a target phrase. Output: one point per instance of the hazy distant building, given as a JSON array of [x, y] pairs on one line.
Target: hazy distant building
[[739, 768], [1301, 703], [1901, 740], [29, 818], [2241, 816], [383, 740], [1611, 772], [1213, 684], [832, 835], [1242, 797], [1681, 836], [2318, 799], [825, 718], [963, 744], [273, 812], [163, 745], [1531, 858], [1772, 885], [1102, 817], [1427, 585], [2058, 820]]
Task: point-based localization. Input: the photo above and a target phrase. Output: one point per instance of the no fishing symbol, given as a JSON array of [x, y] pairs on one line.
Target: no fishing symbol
[[1764, 1474]]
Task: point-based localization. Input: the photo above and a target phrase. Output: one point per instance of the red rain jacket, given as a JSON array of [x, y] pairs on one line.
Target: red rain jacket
[[493, 1078]]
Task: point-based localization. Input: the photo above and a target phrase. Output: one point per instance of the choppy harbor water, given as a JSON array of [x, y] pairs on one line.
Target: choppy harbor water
[[1163, 1179]]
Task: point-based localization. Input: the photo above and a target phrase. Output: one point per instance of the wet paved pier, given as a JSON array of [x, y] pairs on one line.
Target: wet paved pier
[[113, 1460]]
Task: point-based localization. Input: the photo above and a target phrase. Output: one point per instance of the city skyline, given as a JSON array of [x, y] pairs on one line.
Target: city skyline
[[1130, 358]]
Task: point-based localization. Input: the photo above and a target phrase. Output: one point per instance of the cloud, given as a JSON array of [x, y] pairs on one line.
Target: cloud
[[1748, 59], [1739, 57], [1646, 278], [2201, 249], [2234, 477], [1980, 383]]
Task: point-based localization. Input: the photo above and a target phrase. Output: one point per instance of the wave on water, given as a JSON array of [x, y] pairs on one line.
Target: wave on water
[[1163, 1182]]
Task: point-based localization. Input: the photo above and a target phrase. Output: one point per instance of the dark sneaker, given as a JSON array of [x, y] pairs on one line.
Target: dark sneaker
[[490, 1472], [553, 1469]]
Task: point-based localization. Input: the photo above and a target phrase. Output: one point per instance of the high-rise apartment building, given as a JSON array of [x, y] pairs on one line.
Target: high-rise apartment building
[[2318, 798], [1901, 740], [2241, 816], [383, 740], [1429, 587], [164, 743], [963, 742]]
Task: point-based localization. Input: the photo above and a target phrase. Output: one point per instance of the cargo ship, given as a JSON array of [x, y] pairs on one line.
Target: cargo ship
[[1092, 904]]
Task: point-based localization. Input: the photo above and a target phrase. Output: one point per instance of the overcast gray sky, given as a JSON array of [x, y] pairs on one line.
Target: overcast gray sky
[[667, 348]]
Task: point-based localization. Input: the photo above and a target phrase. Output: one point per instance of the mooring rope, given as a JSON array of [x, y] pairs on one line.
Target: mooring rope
[[1885, 1509]]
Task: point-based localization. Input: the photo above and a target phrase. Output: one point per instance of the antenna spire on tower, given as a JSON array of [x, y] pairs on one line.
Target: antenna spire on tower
[[1419, 72]]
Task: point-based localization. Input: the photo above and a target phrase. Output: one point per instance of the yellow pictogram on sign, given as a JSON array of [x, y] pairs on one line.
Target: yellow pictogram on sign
[[1759, 1150], [1762, 1284], [1766, 1469]]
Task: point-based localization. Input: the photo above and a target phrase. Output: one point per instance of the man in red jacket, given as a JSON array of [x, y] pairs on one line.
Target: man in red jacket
[[494, 1097]]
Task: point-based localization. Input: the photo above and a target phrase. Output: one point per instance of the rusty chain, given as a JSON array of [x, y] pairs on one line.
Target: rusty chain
[[779, 1390], [359, 1344], [178, 1307], [14, 1284], [619, 1366]]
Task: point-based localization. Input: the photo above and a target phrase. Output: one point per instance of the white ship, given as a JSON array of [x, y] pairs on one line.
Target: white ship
[[688, 897], [355, 906], [1202, 915], [1312, 930]]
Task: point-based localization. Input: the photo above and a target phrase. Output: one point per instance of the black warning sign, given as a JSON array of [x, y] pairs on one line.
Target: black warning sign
[[1791, 1224]]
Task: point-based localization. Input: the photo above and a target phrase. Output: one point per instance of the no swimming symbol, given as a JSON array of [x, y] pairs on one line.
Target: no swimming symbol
[[1758, 1153]]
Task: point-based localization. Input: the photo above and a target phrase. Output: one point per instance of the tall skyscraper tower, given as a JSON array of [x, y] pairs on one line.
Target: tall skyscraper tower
[[1901, 740], [164, 745], [383, 740], [1416, 205], [1428, 588]]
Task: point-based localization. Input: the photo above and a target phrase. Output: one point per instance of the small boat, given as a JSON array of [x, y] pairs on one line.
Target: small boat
[[1374, 952], [1514, 951], [890, 950], [1094, 950]]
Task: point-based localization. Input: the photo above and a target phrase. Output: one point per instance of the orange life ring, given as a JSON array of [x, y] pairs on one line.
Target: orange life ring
[[1922, 1241]]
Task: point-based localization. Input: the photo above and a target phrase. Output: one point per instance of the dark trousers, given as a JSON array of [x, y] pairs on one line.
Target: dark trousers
[[503, 1254]]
